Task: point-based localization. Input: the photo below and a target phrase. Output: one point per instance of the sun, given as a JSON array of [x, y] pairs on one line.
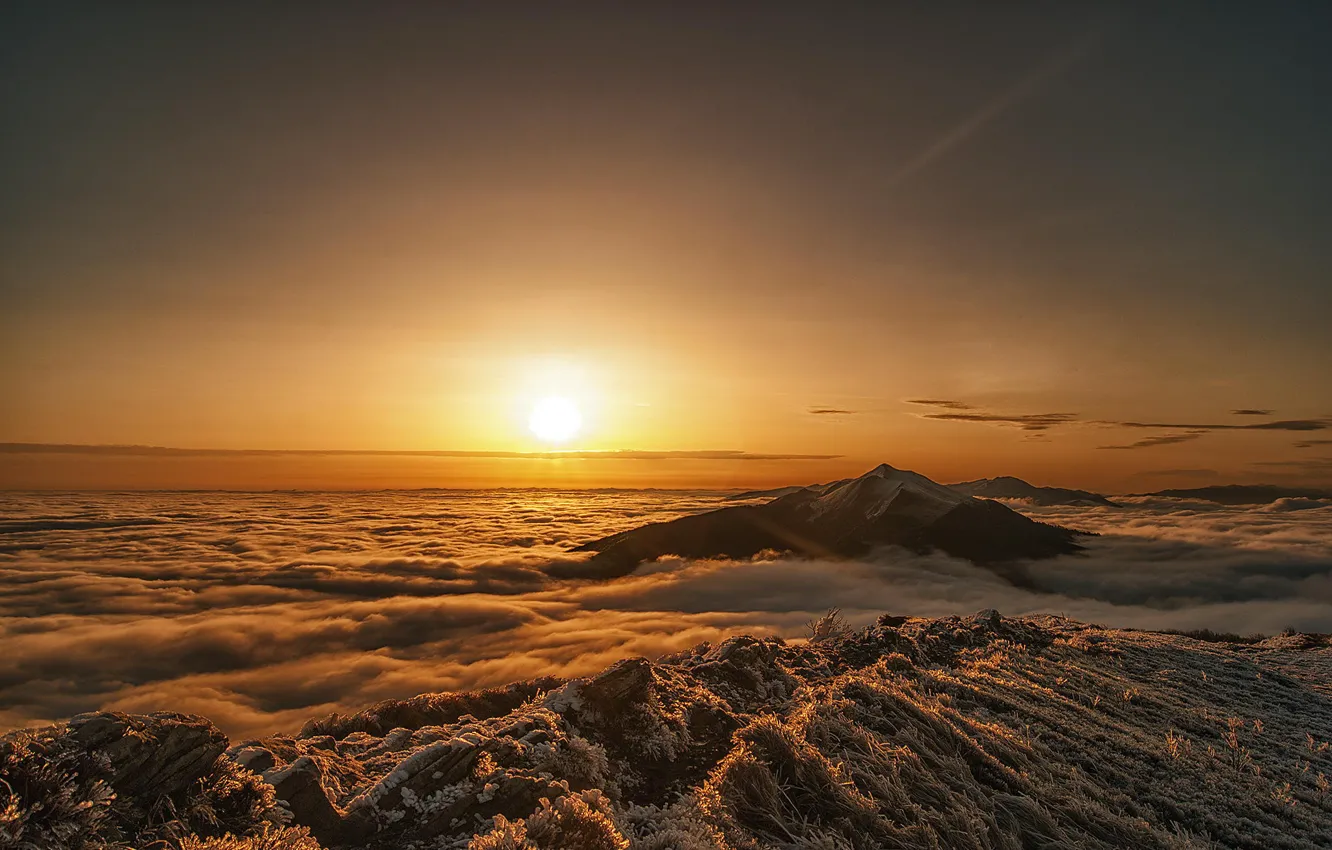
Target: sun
[[555, 419]]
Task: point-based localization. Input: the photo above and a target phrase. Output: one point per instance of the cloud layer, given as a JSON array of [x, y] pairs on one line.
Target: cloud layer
[[261, 610], [949, 410]]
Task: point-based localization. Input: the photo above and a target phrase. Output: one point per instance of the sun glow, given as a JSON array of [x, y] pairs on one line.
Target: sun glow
[[555, 419]]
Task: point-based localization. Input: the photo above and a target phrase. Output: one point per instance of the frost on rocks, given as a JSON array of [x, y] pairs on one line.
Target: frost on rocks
[[969, 732]]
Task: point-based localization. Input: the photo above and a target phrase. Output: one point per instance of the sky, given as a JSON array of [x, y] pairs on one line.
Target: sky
[[1064, 241]]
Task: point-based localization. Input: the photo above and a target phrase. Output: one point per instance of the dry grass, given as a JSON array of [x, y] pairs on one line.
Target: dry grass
[[52, 796], [268, 838], [56, 796]]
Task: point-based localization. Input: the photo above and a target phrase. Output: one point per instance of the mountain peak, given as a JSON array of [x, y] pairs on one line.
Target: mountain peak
[[884, 507], [912, 481]]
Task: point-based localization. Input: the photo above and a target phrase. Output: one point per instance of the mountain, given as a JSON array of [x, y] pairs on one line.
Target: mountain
[[771, 494], [1008, 487], [963, 732], [1003, 487], [1244, 494], [883, 507]]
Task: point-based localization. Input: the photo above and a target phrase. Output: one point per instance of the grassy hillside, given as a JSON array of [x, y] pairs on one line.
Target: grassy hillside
[[975, 732]]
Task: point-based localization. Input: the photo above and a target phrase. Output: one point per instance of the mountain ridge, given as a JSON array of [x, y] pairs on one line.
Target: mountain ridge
[[1009, 487], [1242, 494], [884, 507], [976, 731], [1001, 487]]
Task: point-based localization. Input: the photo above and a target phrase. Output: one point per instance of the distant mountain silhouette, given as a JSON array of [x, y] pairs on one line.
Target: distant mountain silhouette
[[1004, 487], [1008, 487], [885, 506], [1244, 494], [774, 492]]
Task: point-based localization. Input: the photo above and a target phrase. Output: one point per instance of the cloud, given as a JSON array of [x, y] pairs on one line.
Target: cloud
[[957, 411], [614, 454], [1027, 422], [945, 403], [1162, 440], [261, 609], [1010, 97], [1280, 425], [1308, 444], [1301, 463], [1288, 504], [831, 411], [1168, 473]]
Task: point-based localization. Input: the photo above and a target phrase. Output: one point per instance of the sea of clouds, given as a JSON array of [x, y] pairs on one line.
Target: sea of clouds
[[263, 610]]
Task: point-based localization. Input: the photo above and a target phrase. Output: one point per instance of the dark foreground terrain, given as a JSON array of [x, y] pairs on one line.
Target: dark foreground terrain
[[974, 732]]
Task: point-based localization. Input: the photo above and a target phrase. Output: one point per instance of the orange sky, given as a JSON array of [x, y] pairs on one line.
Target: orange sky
[[397, 234]]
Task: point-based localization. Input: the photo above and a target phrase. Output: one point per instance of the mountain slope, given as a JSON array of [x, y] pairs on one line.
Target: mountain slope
[[1008, 487], [961, 732], [1244, 494], [885, 506], [774, 493]]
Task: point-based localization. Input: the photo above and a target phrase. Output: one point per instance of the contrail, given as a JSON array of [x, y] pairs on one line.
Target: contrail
[[1015, 94]]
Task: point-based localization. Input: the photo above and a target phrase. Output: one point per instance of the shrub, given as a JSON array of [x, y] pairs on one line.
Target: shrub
[[832, 626], [53, 796], [227, 801], [269, 838], [577, 820]]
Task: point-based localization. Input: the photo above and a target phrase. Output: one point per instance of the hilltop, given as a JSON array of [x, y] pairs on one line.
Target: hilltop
[[968, 732], [884, 507], [1008, 487], [1244, 494], [1003, 487]]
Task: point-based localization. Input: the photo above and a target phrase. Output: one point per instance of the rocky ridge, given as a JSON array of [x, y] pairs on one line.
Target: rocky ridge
[[980, 732]]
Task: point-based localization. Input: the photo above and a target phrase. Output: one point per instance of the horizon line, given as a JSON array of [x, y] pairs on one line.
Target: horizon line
[[136, 450]]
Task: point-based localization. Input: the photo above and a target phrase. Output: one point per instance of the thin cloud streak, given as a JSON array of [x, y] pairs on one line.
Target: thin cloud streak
[[1007, 99], [959, 411], [1163, 440], [944, 403], [615, 454], [1027, 421], [1280, 425]]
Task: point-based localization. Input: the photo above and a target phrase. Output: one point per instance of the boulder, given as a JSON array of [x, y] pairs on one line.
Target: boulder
[[300, 788], [150, 755]]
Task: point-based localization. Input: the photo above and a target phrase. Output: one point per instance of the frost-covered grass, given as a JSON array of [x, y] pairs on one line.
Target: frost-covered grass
[[974, 732], [56, 795]]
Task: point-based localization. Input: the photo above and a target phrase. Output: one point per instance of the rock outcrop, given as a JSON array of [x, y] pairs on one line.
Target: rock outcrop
[[115, 780], [150, 756], [970, 732]]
